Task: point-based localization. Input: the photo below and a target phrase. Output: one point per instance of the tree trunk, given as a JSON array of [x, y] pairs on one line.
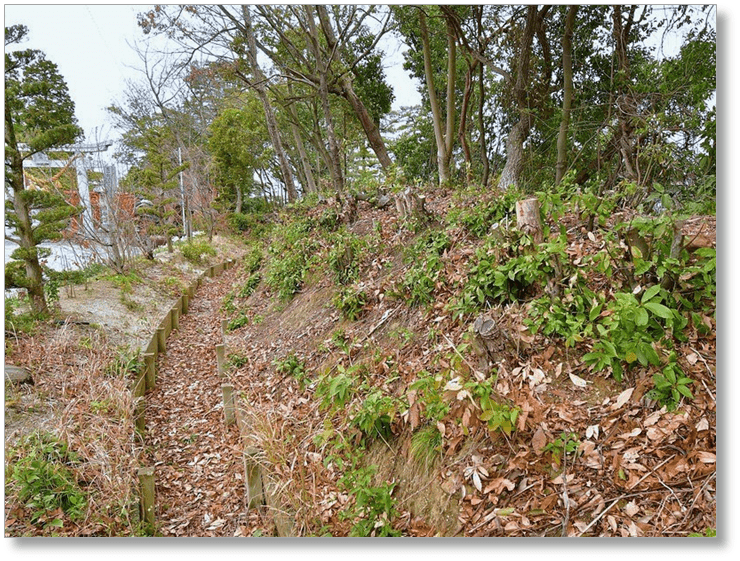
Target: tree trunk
[[562, 161], [482, 127], [519, 132], [272, 127], [239, 199], [348, 92], [372, 132], [462, 134], [305, 164], [322, 68], [515, 154], [24, 227], [443, 163]]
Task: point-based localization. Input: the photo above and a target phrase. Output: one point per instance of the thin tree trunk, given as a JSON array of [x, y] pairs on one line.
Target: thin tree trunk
[[24, 227], [442, 160], [482, 127], [372, 132], [519, 132], [272, 127], [322, 68], [305, 164], [462, 134], [562, 161]]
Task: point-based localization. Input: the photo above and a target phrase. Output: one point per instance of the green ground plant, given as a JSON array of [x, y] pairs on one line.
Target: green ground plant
[[345, 256], [194, 251], [41, 474], [351, 302]]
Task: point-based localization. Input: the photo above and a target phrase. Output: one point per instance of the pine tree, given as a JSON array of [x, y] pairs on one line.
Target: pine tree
[[39, 115]]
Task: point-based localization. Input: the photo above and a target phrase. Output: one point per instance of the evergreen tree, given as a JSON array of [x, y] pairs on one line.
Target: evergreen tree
[[39, 115]]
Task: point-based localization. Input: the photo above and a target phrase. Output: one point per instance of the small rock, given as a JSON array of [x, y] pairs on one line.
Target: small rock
[[17, 375]]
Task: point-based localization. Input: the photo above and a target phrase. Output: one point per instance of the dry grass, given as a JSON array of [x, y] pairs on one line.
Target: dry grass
[[91, 413]]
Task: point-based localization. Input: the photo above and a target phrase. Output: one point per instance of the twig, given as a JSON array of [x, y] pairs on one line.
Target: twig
[[600, 516], [704, 361], [566, 500]]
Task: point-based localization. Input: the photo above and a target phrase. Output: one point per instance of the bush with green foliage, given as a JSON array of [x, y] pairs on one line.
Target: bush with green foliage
[[195, 250], [41, 475], [478, 219], [351, 302], [291, 365], [345, 256], [292, 252]]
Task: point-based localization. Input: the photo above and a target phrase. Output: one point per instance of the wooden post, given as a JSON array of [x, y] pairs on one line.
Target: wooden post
[[528, 219], [221, 359], [175, 315], [227, 390], [161, 340], [150, 370], [253, 476], [224, 329], [167, 324], [146, 486], [139, 415], [185, 303]]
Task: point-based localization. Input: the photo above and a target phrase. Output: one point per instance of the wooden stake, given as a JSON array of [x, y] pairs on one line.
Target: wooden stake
[[175, 314], [224, 329], [150, 370], [139, 415], [253, 476], [161, 340], [185, 303], [221, 359], [227, 390], [146, 485]]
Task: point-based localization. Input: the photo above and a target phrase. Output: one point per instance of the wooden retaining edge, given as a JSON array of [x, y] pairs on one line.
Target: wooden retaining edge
[[146, 380], [261, 488]]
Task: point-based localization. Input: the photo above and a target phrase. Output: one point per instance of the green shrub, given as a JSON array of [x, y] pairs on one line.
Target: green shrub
[[344, 257], [19, 322], [292, 366], [374, 508], [128, 362], [250, 285], [477, 219], [292, 253], [629, 328], [238, 322], [351, 302], [375, 415], [194, 251], [44, 481]]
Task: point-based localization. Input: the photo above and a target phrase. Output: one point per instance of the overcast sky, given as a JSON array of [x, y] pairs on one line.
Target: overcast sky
[[91, 44]]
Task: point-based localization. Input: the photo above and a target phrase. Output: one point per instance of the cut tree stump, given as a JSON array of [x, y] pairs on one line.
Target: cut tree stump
[[488, 340], [411, 206], [528, 219]]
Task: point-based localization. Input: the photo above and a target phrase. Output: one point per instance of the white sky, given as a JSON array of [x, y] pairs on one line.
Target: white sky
[[91, 44]]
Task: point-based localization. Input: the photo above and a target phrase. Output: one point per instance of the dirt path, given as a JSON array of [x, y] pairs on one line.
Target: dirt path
[[197, 460]]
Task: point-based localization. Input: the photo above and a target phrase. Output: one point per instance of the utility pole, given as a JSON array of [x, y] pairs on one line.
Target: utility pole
[[182, 194], [79, 151]]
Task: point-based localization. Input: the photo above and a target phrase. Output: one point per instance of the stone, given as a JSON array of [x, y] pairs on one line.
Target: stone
[[17, 375]]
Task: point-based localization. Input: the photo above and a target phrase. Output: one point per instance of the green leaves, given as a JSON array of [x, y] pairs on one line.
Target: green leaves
[[670, 386]]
